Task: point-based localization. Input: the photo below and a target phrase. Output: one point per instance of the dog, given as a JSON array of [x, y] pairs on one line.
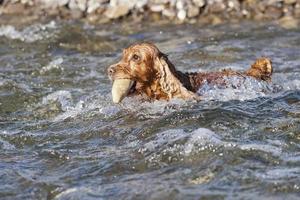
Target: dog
[[144, 70]]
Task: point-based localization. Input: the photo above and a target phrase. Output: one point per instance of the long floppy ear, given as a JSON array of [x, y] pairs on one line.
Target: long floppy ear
[[169, 79], [262, 69]]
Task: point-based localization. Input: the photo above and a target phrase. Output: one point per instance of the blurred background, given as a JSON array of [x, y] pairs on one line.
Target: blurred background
[[286, 12]]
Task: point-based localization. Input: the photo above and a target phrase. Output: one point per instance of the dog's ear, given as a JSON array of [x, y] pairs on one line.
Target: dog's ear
[[168, 79], [262, 69]]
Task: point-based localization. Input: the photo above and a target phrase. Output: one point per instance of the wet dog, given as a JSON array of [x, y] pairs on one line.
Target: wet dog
[[144, 70]]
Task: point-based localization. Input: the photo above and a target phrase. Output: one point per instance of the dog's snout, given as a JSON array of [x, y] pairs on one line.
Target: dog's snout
[[111, 70]]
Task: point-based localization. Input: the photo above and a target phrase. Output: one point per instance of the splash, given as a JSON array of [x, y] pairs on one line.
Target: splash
[[178, 144], [88, 107], [237, 88], [29, 34], [62, 97], [152, 109], [55, 64]]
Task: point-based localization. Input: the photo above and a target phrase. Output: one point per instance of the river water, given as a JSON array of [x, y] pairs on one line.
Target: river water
[[61, 137]]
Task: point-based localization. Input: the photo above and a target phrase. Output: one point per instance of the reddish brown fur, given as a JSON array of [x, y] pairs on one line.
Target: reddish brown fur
[[156, 77]]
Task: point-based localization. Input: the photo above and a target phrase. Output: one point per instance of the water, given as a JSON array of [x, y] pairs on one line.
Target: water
[[61, 137]]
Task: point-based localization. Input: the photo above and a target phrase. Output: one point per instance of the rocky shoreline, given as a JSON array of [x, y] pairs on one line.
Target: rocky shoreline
[[286, 12]]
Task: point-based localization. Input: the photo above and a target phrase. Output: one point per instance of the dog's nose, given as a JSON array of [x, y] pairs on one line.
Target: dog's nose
[[111, 70]]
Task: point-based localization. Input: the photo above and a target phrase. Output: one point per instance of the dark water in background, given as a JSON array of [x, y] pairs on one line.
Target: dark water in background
[[61, 137]]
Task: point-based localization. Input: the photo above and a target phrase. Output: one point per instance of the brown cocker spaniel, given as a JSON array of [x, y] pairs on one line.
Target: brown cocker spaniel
[[144, 70]]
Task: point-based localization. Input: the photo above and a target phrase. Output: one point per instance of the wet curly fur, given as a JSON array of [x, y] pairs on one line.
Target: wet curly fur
[[155, 77]]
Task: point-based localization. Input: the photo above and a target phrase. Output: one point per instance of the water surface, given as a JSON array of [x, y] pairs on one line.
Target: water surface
[[61, 137]]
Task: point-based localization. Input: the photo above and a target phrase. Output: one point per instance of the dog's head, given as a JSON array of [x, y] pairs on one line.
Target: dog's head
[[137, 64], [145, 70]]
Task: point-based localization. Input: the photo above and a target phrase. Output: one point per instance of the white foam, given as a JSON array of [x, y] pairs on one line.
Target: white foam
[[291, 85], [63, 97], [202, 137], [178, 143], [54, 64], [96, 104], [102, 104], [237, 88], [165, 138], [153, 109], [29, 34]]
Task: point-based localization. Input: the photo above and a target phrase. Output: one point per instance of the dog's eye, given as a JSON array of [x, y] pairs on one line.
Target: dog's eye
[[135, 57]]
